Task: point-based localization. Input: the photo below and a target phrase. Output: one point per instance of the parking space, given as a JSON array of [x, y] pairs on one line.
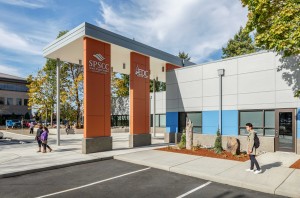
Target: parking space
[[113, 178]]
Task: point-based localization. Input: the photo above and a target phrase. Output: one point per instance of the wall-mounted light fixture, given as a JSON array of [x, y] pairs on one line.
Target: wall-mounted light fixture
[[124, 65], [163, 69]]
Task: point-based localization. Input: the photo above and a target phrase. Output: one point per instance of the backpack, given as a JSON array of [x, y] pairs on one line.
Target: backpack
[[256, 141]]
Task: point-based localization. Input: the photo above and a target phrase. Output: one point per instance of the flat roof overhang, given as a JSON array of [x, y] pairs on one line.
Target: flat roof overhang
[[69, 48]]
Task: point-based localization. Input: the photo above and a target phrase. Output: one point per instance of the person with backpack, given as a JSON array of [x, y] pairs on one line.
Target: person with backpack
[[253, 144], [44, 138]]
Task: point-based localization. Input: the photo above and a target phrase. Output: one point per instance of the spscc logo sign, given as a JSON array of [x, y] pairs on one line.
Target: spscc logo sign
[[98, 66], [140, 72]]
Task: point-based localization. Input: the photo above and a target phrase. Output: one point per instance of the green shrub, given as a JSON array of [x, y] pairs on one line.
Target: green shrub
[[218, 143], [182, 142]]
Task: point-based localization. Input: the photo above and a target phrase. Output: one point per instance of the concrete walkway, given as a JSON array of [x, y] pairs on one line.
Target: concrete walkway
[[276, 178]]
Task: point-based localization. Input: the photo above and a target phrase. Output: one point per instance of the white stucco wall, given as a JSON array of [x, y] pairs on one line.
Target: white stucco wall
[[250, 82]]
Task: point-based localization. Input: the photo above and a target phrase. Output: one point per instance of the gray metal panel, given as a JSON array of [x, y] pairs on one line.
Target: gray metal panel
[[110, 37]]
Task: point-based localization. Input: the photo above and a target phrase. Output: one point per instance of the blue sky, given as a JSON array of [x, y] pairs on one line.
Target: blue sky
[[198, 27]]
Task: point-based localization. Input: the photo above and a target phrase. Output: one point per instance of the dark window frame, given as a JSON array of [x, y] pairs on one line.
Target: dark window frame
[[263, 122], [180, 127]]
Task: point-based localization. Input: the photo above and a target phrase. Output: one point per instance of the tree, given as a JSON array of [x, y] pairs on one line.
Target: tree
[[42, 88], [240, 44], [277, 28], [120, 85], [184, 56], [276, 24], [75, 92]]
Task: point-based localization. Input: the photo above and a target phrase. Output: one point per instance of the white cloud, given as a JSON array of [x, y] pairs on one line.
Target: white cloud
[[15, 42], [198, 27], [11, 70], [25, 3]]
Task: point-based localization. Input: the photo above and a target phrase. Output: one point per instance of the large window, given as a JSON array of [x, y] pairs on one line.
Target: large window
[[2, 101], [263, 122], [195, 117], [19, 101], [160, 120], [9, 101]]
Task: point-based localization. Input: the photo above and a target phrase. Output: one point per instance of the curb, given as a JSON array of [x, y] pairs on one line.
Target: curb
[[19, 173]]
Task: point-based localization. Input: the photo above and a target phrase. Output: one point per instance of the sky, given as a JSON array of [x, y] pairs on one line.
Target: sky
[[198, 27]]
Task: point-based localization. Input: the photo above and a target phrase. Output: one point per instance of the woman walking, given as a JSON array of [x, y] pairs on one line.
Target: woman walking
[[44, 138]]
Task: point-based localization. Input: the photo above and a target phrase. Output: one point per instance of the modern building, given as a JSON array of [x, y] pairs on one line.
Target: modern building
[[13, 97], [223, 95], [252, 90]]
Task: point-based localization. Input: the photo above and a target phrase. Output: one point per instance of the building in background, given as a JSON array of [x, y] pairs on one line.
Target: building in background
[[13, 98]]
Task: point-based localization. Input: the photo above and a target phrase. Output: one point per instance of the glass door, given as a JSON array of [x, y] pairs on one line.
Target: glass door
[[285, 130]]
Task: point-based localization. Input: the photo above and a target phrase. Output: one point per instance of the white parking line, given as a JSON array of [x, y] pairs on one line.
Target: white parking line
[[94, 183], [195, 189]]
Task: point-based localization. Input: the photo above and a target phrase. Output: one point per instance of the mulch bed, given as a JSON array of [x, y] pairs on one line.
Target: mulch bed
[[296, 165], [208, 153]]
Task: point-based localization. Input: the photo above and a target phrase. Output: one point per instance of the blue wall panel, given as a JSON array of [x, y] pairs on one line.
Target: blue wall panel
[[171, 122], [210, 121], [230, 122], [298, 123]]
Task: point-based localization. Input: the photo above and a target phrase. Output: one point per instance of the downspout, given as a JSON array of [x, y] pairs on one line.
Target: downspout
[[220, 73]]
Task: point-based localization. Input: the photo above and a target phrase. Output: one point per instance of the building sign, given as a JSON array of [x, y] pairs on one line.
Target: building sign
[[140, 72], [98, 65]]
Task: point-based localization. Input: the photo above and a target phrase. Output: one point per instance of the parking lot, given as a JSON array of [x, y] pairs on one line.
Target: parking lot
[[113, 178]]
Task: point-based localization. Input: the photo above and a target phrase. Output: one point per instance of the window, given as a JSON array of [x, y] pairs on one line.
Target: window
[[160, 120], [25, 102], [263, 122], [19, 101], [9, 101], [2, 101], [13, 87], [120, 120], [195, 117]]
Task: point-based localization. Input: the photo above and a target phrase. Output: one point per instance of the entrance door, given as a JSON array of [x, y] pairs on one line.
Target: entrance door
[[285, 130]]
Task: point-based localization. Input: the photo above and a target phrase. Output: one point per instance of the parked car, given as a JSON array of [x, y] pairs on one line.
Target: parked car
[[13, 123]]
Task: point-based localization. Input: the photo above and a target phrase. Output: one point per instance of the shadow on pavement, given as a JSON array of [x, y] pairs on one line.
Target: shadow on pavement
[[272, 165]]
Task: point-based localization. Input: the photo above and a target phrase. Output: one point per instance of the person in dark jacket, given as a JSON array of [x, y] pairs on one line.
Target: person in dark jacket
[[251, 150], [38, 136]]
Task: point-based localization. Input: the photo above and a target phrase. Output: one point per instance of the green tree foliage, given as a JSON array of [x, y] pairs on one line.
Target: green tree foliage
[[42, 87], [184, 56], [182, 143], [75, 93], [277, 24], [120, 85], [240, 44], [218, 143]]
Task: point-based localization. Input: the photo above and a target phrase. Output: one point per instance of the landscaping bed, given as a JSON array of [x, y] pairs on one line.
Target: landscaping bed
[[207, 153], [296, 164]]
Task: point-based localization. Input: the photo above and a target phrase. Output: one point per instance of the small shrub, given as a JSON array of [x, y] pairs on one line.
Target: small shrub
[[218, 143], [182, 142]]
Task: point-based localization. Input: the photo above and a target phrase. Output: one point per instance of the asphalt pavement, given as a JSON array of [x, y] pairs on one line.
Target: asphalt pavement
[[113, 178]]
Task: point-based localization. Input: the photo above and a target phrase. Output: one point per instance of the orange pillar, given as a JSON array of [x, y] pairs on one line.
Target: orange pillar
[[97, 96], [139, 100]]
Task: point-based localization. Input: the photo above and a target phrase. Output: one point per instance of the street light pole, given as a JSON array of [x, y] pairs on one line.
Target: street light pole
[[220, 73], [58, 101]]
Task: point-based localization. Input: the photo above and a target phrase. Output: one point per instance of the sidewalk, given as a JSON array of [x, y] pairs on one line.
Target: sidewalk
[[18, 159], [276, 178]]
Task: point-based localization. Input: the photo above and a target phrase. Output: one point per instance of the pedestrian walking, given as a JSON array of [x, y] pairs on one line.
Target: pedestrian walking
[[31, 126], [44, 139], [251, 149], [38, 136]]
